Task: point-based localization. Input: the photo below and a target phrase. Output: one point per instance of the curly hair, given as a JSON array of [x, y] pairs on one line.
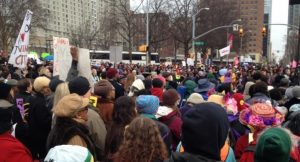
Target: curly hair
[[124, 110], [142, 142]]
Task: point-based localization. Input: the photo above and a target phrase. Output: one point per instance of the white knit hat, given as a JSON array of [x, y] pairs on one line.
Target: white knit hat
[[195, 98], [69, 153], [137, 85]]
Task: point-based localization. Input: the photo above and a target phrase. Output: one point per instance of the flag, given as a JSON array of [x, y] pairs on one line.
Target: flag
[[224, 51], [230, 41], [18, 56]]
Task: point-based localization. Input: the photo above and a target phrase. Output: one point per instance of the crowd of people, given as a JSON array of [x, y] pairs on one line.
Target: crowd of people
[[150, 113]]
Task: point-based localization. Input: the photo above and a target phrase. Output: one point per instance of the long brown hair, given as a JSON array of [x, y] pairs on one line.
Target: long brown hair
[[142, 142], [129, 80]]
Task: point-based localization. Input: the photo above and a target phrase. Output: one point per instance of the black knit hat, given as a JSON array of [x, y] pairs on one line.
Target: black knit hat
[[204, 130], [4, 90], [54, 83], [79, 85]]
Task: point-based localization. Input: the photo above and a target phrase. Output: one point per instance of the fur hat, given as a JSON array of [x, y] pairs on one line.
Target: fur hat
[[79, 85], [102, 88], [147, 104], [69, 105], [40, 83]]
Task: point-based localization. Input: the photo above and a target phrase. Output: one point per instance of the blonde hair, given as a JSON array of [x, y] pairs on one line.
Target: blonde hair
[[61, 91]]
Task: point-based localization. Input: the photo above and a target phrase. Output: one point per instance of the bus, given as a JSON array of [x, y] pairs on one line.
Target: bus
[[98, 57]]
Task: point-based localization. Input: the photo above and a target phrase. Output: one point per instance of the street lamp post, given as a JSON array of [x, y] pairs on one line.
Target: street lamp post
[[193, 33], [227, 35]]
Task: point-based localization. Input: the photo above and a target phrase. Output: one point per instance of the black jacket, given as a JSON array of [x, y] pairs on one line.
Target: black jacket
[[187, 157], [39, 124], [67, 128], [120, 91]]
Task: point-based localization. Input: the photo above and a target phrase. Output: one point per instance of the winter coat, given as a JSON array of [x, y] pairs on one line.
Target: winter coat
[[184, 109], [98, 132], [69, 132], [120, 91], [291, 102], [173, 120], [39, 125], [12, 150], [187, 157]]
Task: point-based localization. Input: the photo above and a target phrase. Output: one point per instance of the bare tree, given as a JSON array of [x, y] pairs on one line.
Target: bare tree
[[12, 13], [181, 21]]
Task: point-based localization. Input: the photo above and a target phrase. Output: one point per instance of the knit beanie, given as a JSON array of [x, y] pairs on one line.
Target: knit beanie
[[170, 97], [274, 145], [204, 130], [54, 83], [147, 104], [111, 73], [195, 98], [102, 88], [79, 85]]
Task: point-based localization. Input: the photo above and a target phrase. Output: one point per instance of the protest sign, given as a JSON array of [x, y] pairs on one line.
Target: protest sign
[[225, 51], [20, 105], [84, 65], [18, 56], [62, 57]]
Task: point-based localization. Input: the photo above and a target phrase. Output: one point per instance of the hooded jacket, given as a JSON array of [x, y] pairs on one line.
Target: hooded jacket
[[158, 92]]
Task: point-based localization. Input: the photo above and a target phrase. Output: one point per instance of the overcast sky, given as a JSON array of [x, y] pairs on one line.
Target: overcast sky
[[279, 16]]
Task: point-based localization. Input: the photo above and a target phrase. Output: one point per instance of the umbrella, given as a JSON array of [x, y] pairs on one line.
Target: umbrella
[[49, 58]]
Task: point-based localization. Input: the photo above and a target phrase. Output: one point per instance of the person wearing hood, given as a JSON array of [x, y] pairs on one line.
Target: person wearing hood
[[169, 114], [11, 149], [199, 146], [194, 99]]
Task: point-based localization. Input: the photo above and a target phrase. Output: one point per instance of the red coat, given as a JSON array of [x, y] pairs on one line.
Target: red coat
[[12, 150], [158, 92]]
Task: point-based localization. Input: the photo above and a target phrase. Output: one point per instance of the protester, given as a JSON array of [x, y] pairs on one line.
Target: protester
[[95, 76], [40, 117], [273, 145], [157, 88], [169, 114], [142, 142], [123, 113], [81, 86], [194, 99], [11, 149], [71, 116], [106, 91], [112, 75], [199, 146]]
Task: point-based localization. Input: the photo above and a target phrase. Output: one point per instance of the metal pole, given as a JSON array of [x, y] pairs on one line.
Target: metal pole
[[241, 46], [147, 33], [193, 36]]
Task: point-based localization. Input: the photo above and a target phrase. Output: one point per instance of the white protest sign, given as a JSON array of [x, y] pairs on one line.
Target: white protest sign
[[84, 64], [225, 51], [18, 56], [62, 57]]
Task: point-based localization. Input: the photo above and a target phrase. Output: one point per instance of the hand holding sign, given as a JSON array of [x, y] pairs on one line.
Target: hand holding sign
[[74, 53]]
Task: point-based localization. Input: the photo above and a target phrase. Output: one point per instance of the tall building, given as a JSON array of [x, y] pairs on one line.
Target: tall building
[[267, 52], [292, 35], [252, 15], [70, 17]]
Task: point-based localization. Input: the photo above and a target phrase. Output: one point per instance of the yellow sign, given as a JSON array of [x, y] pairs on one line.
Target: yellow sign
[[93, 100]]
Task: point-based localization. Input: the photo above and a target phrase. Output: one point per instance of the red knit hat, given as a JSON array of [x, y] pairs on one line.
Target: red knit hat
[[239, 101], [111, 73]]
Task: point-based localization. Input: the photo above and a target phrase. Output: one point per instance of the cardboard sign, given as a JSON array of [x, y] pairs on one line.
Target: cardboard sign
[[84, 65], [62, 57], [18, 56]]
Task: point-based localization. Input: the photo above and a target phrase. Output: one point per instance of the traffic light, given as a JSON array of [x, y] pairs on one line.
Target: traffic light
[[264, 31], [241, 32], [143, 48]]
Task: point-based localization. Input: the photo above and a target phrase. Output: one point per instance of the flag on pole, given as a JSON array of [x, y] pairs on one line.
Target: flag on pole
[[224, 51], [230, 41], [18, 56]]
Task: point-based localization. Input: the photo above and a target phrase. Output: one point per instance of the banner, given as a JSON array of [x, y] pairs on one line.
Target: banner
[[230, 41], [224, 51], [18, 56], [62, 57]]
